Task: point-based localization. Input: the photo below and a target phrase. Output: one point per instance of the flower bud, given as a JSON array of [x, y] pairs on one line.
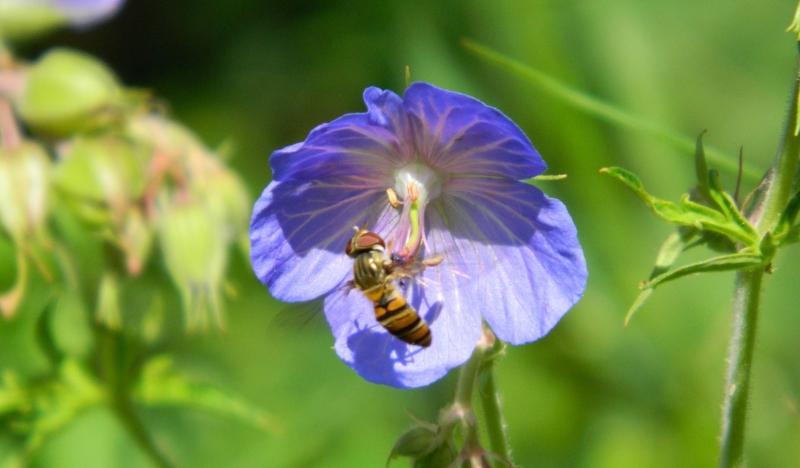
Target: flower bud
[[136, 240], [108, 310], [24, 189], [107, 171], [68, 92], [24, 19], [228, 201], [195, 253], [415, 443]]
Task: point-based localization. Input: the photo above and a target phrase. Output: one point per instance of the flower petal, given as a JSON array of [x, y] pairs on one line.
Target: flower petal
[[299, 229], [458, 134], [522, 248], [379, 357], [84, 13], [371, 145]]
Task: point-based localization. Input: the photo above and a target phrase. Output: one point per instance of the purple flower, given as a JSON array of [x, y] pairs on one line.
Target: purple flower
[[511, 254], [83, 13]]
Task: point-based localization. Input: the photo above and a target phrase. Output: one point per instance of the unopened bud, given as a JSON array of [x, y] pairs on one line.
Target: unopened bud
[[68, 92], [415, 443], [108, 310], [24, 19], [105, 170], [24, 189], [195, 253], [228, 201], [136, 241]]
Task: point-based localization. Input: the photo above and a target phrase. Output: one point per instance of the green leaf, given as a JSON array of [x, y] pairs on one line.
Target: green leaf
[[737, 261], [69, 325], [417, 442], [674, 244], [685, 213], [728, 205], [161, 385], [603, 110], [701, 167], [56, 403], [641, 298], [788, 218], [444, 455]]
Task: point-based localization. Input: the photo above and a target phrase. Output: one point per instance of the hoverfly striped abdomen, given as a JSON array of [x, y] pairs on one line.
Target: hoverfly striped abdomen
[[371, 274]]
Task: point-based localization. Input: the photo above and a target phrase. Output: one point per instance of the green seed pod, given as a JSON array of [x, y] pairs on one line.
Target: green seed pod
[[195, 253], [68, 92], [24, 189], [105, 171]]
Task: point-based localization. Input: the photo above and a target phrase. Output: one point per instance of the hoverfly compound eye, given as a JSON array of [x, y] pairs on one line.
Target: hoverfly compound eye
[[368, 240]]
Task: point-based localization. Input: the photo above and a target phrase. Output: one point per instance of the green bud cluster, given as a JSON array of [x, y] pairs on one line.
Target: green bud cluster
[[138, 183]]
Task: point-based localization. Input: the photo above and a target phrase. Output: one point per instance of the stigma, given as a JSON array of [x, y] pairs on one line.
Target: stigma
[[415, 186]]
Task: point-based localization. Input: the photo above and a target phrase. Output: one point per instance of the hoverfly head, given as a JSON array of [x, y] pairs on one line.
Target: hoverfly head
[[363, 241]]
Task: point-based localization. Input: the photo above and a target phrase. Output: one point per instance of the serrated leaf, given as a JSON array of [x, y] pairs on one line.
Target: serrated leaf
[[160, 384], [12, 395], [59, 402], [685, 213], [728, 205], [737, 261]]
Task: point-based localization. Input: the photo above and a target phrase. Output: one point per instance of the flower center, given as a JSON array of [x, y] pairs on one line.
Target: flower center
[[415, 185], [417, 181]]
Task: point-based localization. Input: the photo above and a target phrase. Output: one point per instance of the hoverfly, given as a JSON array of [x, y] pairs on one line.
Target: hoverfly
[[374, 274]]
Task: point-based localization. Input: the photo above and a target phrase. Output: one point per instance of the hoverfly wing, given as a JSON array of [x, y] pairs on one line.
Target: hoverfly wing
[[298, 316]]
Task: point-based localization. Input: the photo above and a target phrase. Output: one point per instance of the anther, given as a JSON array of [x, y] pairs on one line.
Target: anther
[[393, 199]]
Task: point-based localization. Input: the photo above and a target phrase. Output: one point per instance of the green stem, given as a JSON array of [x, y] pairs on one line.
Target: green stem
[[113, 369], [493, 414], [740, 353], [136, 429], [467, 377], [748, 292]]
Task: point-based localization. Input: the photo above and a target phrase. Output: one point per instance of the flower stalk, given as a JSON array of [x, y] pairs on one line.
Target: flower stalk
[[492, 412], [478, 371], [116, 379], [748, 291]]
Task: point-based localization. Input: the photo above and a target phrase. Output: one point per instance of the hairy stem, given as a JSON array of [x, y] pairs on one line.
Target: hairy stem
[[462, 406], [740, 355], [493, 414], [748, 292]]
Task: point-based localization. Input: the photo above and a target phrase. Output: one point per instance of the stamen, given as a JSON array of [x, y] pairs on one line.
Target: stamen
[[417, 184], [394, 201]]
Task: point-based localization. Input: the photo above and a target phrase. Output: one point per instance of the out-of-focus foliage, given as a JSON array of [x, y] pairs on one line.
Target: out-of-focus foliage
[[259, 75]]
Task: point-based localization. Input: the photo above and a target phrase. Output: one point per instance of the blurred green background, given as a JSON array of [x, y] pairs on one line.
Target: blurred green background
[[592, 393]]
